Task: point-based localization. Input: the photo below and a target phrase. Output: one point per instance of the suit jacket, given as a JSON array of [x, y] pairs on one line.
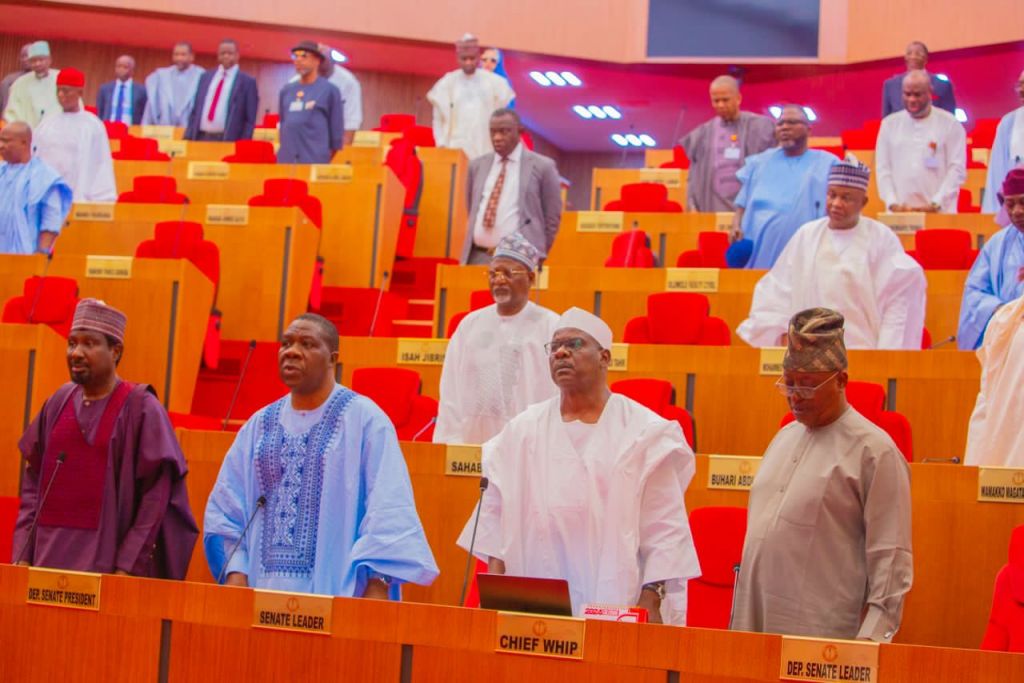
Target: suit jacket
[[892, 94], [105, 104], [540, 199], [243, 101]]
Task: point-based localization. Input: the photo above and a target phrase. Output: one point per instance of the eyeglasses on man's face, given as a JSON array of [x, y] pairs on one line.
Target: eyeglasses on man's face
[[505, 273], [790, 391], [572, 345]]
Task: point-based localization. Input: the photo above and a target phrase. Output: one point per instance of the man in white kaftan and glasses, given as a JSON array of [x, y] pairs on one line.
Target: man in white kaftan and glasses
[[495, 365], [588, 487]]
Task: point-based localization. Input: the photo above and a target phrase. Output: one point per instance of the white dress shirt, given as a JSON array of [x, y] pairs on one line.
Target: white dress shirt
[[506, 221]]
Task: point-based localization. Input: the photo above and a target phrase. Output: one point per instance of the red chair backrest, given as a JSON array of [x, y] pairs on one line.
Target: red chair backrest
[[262, 383], [183, 239], [631, 249], [8, 516], [352, 310], [139, 149], [718, 535], [712, 247], [676, 317], [836, 150], [153, 189], [48, 301], [395, 123], [252, 152], [416, 278], [290, 192], [965, 202], [679, 159], [270, 120], [944, 249], [116, 130], [392, 389], [984, 133], [644, 198], [655, 394], [1005, 630]]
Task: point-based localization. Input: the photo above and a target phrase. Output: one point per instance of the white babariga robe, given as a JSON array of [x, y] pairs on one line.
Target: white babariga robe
[[828, 547], [495, 367], [463, 106], [31, 97], [921, 161], [994, 436], [863, 273], [608, 519], [76, 146]]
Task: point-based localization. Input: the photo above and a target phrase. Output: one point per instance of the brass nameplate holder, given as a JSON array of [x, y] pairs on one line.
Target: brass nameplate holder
[[208, 170], [94, 211], [903, 223], [539, 636], [60, 588], [227, 214], [704, 280], [669, 177], [108, 267], [330, 173], [296, 612], [828, 661], [1000, 485], [600, 221], [462, 460], [770, 362], [421, 351], [732, 472]]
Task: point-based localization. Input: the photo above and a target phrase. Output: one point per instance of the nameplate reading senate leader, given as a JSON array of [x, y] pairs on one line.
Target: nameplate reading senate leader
[[732, 472], [421, 351], [828, 661], [97, 211], [462, 460], [691, 279], [292, 611], [1000, 485], [208, 170], [599, 221], [58, 588], [108, 267], [540, 636], [227, 214], [770, 360]]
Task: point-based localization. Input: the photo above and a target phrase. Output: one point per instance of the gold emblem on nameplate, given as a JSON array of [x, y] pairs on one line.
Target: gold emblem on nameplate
[[413, 351], [1000, 485]]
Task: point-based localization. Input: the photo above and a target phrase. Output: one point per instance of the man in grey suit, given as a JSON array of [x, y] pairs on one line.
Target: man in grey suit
[[511, 189]]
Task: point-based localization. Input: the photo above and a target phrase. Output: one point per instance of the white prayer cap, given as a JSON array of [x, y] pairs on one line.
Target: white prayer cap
[[579, 319], [40, 48], [468, 40]]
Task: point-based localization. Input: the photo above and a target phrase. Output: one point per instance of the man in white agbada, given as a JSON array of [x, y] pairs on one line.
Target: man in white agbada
[[846, 262], [170, 90], [74, 142], [1007, 150], [921, 153], [34, 94], [828, 547], [464, 99], [588, 487], [495, 365]]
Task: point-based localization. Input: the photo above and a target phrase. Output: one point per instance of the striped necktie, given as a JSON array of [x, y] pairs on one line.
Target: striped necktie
[[491, 212]]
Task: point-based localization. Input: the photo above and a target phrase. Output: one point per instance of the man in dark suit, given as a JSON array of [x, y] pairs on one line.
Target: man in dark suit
[[122, 99], [226, 100], [916, 58], [511, 189]]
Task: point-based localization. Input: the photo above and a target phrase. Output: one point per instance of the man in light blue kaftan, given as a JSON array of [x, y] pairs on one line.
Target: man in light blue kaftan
[[321, 475], [1007, 151], [34, 199]]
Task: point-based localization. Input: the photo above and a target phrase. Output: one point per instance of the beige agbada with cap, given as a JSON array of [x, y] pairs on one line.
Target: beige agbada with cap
[[828, 551]]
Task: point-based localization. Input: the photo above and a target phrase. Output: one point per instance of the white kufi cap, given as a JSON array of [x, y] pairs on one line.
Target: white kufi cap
[[579, 319]]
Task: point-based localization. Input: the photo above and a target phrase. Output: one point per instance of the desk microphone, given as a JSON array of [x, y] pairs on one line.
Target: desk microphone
[[39, 289], [472, 540], [380, 297], [735, 580], [260, 502], [424, 428], [955, 460], [238, 386], [947, 340], [42, 501]]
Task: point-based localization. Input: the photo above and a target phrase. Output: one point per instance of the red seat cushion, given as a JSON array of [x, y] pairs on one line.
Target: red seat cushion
[[153, 189], [352, 310], [252, 152], [48, 301], [8, 516], [262, 383], [290, 192], [1005, 630], [631, 249], [655, 394], [416, 278], [944, 249], [644, 198], [183, 239], [139, 149], [679, 159], [718, 534], [116, 130], [392, 389], [676, 317]]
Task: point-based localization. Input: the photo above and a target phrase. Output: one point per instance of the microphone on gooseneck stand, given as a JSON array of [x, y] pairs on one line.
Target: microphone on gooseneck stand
[[424, 428], [260, 502], [177, 233], [735, 580], [951, 338], [238, 387], [39, 509], [380, 297], [39, 289], [472, 540]]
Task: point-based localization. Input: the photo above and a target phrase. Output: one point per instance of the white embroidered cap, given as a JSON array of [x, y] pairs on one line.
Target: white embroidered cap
[[579, 319]]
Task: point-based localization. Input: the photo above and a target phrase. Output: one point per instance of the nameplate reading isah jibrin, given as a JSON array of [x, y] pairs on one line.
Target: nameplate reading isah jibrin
[[723, 220], [208, 170], [703, 280], [330, 173], [903, 223], [599, 221], [540, 636], [828, 661], [292, 611], [58, 588], [98, 211], [227, 214], [732, 472], [669, 177], [108, 267], [770, 361], [462, 460], [421, 351], [158, 132], [1000, 485], [620, 358]]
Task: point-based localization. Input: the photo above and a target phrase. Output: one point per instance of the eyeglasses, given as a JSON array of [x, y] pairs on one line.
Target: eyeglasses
[[802, 392], [790, 122], [571, 345], [508, 274]]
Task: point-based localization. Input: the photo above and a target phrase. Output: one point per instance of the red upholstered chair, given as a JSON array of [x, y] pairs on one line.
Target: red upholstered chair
[[395, 123], [971, 163], [631, 249], [397, 392], [352, 310], [659, 396], [942, 249], [984, 133], [290, 192], [260, 385], [965, 202], [926, 339], [480, 298], [868, 399], [644, 198], [863, 138], [679, 159], [116, 130], [710, 252], [8, 517], [139, 149], [718, 534], [677, 318], [270, 120], [837, 150], [153, 189], [252, 152], [47, 301], [416, 278], [1005, 632], [403, 160], [201, 422]]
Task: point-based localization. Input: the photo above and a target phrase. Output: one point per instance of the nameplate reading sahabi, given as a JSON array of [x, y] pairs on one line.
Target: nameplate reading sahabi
[[208, 170], [669, 177], [691, 280], [770, 362], [421, 351], [827, 661], [620, 358], [462, 460], [724, 220], [367, 138], [173, 148], [108, 267], [292, 612], [100, 211], [903, 223], [1000, 485], [57, 588], [227, 214], [330, 173], [732, 472], [530, 634], [158, 132], [599, 221]]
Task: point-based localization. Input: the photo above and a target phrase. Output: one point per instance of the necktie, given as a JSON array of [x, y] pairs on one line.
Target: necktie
[[491, 212], [216, 96], [119, 111]]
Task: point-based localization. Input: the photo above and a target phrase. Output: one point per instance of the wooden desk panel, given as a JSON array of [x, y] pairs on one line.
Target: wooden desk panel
[[606, 185], [443, 217]]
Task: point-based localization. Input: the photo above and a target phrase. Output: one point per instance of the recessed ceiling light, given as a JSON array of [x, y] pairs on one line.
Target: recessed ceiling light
[[942, 77], [338, 56], [620, 140], [612, 112], [647, 140], [775, 110], [582, 112], [555, 78], [811, 116], [961, 115], [597, 112], [571, 79], [540, 78], [634, 139]]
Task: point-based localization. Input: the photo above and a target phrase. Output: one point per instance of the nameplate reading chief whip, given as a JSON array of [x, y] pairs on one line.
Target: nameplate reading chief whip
[[412, 351], [1000, 485], [539, 636], [298, 612], [60, 588], [828, 661]]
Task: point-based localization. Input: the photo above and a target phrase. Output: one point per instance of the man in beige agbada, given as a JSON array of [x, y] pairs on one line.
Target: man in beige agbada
[[828, 551]]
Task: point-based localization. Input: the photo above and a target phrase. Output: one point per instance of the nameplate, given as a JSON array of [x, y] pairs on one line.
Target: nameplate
[[461, 460], [1000, 485], [57, 588], [208, 170], [543, 280], [367, 138], [732, 472], [599, 221], [903, 223], [770, 361], [227, 214], [330, 173], [297, 612], [93, 212], [421, 351], [530, 634], [980, 155], [669, 177], [724, 220], [691, 279], [158, 132], [620, 358], [827, 661], [265, 134], [173, 148], [108, 267]]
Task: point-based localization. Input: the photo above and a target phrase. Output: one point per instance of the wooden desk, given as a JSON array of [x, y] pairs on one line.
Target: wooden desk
[[607, 184], [266, 266], [167, 304], [443, 214]]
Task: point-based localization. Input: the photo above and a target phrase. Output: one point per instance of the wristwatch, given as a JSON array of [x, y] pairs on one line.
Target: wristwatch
[[383, 578], [658, 588]]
